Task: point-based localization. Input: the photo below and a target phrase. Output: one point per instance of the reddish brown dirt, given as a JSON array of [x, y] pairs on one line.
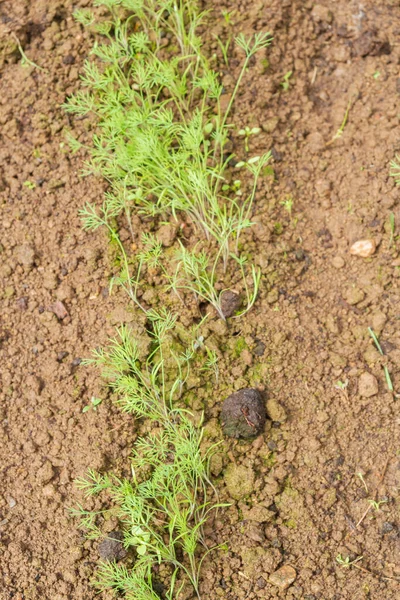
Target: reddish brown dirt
[[307, 332]]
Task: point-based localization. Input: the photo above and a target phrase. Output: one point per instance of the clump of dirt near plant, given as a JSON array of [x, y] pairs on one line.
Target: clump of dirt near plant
[[300, 492]]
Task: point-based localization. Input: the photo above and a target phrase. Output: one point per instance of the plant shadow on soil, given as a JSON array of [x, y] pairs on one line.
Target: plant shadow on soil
[[307, 331]]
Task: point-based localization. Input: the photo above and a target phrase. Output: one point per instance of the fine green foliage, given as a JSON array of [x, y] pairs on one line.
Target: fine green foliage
[[164, 504], [395, 169], [162, 129], [389, 382]]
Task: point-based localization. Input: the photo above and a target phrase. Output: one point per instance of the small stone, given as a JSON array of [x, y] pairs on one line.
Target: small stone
[[338, 262], [22, 303], [315, 142], [111, 548], [230, 303], [239, 480], [367, 385], [283, 577], [321, 13], [243, 414], [275, 411], [258, 513], [387, 527], [323, 187], [11, 502], [363, 248], [167, 234], [58, 309], [261, 583], [354, 295], [255, 533], [25, 255], [378, 321], [272, 296], [45, 473], [50, 281], [48, 490], [270, 124]]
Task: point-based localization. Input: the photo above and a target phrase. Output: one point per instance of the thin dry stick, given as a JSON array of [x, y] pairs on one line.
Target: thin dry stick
[[374, 573]]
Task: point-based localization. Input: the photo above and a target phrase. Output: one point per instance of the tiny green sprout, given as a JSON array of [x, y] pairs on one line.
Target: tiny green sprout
[[228, 14], [376, 75], [285, 82], [94, 403], [361, 478], [395, 169], [25, 61], [247, 163], [341, 385], [389, 382], [340, 131], [140, 539], [278, 228], [392, 224], [211, 363], [288, 205], [29, 184], [376, 504], [346, 562], [233, 187], [246, 133]]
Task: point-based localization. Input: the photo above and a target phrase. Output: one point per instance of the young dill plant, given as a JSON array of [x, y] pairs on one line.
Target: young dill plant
[[162, 130], [163, 506]]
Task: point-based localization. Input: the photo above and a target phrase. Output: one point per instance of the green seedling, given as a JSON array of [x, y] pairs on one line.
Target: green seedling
[[342, 386], [361, 477], [94, 403], [29, 184], [376, 504], [211, 364], [247, 133], [285, 83], [340, 131], [392, 225], [278, 228], [25, 62], [228, 14], [346, 562], [233, 187], [164, 153], [166, 501], [288, 206], [385, 369], [395, 169], [376, 75], [224, 47]]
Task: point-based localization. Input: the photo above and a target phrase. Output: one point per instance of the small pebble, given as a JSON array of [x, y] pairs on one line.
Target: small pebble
[[243, 414], [387, 527], [367, 385], [111, 548], [338, 262], [230, 303], [283, 577], [363, 248]]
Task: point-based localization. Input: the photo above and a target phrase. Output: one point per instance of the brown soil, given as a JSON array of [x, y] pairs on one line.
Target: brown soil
[[307, 331]]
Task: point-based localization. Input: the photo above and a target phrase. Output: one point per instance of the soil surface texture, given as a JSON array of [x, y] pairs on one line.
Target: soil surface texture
[[322, 480]]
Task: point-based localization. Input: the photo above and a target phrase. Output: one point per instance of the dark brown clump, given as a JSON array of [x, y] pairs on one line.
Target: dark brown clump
[[243, 414], [230, 303], [111, 548]]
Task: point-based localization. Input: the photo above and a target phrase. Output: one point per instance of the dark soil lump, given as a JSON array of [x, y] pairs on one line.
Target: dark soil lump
[[243, 414]]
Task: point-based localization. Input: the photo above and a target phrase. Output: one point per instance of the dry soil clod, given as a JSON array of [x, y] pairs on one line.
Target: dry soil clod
[[243, 414]]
